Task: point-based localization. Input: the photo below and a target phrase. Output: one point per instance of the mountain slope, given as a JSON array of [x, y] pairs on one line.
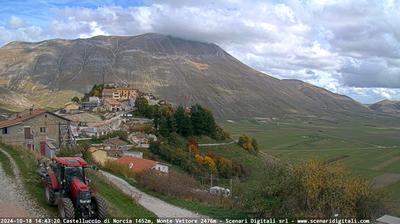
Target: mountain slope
[[167, 66], [386, 106]]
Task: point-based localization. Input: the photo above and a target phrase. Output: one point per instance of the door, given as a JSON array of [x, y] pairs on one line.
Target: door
[[43, 148], [28, 134]]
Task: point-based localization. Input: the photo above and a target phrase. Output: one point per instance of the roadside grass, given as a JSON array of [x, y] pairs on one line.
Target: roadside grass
[[195, 206], [119, 204], [6, 164], [26, 162]]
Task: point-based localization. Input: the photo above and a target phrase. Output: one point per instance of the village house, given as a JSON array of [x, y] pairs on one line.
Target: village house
[[120, 93], [95, 131], [92, 103], [142, 140], [71, 108], [388, 219], [136, 154], [33, 128], [100, 156], [116, 143], [111, 104], [139, 164]]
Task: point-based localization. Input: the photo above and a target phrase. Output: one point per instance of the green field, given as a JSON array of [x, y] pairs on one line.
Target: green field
[[370, 149]]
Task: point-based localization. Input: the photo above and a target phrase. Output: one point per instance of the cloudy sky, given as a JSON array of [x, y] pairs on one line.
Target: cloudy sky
[[349, 47]]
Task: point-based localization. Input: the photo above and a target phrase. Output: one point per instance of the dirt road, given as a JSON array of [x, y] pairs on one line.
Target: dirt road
[[160, 208], [14, 200]]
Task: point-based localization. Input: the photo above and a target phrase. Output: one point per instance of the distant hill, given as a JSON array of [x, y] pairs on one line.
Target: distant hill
[[386, 106], [49, 73]]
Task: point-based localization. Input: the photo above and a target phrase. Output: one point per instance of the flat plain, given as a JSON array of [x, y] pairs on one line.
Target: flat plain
[[370, 148]]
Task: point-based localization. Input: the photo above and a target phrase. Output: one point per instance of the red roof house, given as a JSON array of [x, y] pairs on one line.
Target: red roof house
[[138, 164]]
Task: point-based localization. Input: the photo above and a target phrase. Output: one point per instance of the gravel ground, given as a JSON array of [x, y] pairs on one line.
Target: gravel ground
[[14, 200], [161, 208]]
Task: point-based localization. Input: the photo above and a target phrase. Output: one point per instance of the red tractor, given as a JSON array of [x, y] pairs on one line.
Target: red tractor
[[67, 187]]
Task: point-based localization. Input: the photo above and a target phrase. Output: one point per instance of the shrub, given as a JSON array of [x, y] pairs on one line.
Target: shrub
[[118, 168], [123, 135], [181, 186], [312, 189], [248, 143], [76, 150]]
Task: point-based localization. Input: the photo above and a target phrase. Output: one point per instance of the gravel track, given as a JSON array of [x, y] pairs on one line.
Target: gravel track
[[161, 208], [14, 200]]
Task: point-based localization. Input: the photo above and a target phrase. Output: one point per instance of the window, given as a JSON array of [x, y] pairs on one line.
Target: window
[[4, 131], [42, 129]]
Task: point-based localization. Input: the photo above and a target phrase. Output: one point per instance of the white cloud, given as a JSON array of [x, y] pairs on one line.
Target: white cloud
[[15, 22]]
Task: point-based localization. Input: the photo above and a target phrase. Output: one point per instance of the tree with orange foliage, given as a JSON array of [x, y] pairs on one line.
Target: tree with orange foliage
[[193, 146]]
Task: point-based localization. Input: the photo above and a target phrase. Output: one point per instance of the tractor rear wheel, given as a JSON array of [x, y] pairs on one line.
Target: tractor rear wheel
[[49, 195], [66, 208], [99, 207]]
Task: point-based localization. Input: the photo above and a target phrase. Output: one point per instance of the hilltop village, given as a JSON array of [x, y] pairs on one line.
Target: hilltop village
[[120, 127]]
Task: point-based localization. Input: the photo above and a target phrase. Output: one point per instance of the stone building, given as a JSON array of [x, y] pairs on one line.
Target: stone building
[[120, 93], [33, 128]]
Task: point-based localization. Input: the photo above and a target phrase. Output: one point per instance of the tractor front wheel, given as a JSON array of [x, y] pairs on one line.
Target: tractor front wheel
[[49, 195], [99, 206], [66, 208]]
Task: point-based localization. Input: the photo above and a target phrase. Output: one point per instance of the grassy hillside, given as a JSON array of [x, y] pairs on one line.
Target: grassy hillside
[[370, 149]]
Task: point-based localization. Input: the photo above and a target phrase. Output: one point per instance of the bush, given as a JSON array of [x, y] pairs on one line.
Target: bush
[[167, 183], [122, 169], [123, 135], [220, 134], [187, 189], [76, 150], [312, 189], [248, 143]]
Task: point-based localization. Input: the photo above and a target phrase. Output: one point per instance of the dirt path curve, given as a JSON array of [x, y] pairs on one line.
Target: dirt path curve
[[218, 144], [14, 200], [161, 208]]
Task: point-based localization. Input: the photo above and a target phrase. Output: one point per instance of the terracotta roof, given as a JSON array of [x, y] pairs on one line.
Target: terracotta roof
[[107, 91], [92, 149], [18, 118], [115, 141], [111, 101], [137, 164]]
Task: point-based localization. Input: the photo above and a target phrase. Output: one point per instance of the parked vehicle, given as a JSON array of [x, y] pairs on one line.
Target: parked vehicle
[[67, 187], [216, 190]]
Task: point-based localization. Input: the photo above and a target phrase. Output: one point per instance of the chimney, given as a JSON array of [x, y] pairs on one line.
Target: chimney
[[30, 110]]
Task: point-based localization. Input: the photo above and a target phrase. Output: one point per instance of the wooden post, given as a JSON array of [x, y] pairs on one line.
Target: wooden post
[[231, 185], [211, 181]]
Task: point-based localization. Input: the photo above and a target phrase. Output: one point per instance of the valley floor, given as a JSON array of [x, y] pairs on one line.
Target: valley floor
[[369, 148]]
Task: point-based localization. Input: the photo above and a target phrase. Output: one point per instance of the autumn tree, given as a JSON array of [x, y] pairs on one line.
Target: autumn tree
[[248, 143], [313, 189]]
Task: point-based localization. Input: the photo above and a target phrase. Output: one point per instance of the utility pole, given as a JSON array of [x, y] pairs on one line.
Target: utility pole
[[211, 177], [231, 185]]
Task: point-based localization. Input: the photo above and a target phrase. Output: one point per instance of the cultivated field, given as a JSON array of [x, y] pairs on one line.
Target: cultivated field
[[369, 147]]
